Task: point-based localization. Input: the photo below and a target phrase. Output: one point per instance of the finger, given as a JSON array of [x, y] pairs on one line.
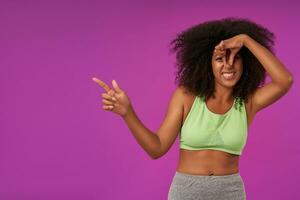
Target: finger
[[107, 107], [219, 52], [221, 45], [102, 84], [108, 97], [116, 86], [111, 92], [231, 58], [108, 103], [218, 49]]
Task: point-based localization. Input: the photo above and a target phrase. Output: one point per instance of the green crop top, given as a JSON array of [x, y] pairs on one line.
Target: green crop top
[[204, 129]]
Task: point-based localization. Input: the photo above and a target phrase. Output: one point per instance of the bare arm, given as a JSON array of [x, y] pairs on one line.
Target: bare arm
[[148, 140], [156, 145], [282, 79], [117, 101]]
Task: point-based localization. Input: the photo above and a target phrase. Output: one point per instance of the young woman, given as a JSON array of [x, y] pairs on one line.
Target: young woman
[[222, 67]]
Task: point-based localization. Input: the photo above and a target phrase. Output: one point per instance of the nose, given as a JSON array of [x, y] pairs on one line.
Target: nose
[[228, 65]]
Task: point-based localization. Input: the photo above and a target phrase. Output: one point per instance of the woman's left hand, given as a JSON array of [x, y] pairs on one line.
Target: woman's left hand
[[234, 44]]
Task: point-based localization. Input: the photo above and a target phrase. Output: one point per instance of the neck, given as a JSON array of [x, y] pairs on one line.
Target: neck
[[223, 94]]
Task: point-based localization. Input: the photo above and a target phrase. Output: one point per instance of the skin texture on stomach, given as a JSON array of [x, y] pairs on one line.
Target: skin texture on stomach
[[207, 162]]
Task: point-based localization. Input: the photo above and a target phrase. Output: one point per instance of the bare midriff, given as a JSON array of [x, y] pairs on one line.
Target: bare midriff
[[207, 162]]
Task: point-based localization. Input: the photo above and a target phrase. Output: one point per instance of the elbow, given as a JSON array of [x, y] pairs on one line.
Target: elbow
[[155, 156], [290, 82], [156, 152], [286, 85], [290, 79]]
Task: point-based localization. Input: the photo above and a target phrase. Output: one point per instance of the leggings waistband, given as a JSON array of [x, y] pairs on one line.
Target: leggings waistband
[[181, 174]]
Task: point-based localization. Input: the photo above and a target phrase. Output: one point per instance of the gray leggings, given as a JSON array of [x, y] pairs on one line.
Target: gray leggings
[[204, 187]]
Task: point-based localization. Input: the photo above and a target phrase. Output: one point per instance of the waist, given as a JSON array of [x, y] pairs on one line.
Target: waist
[[207, 162]]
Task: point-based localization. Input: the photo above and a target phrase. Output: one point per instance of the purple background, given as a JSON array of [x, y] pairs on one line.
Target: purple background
[[56, 140]]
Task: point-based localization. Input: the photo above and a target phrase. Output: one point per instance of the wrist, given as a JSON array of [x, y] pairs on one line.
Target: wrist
[[244, 39], [128, 113]]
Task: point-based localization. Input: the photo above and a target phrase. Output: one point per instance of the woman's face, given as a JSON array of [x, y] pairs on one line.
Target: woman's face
[[219, 69]]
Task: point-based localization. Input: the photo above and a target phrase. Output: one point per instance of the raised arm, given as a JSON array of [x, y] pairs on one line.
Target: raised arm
[[282, 79]]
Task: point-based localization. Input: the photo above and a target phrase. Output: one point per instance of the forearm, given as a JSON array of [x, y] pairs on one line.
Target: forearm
[[148, 140], [278, 73]]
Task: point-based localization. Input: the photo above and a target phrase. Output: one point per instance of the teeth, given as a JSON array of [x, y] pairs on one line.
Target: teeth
[[228, 75]]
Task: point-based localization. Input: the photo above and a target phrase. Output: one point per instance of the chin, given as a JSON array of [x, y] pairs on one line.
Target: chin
[[228, 83]]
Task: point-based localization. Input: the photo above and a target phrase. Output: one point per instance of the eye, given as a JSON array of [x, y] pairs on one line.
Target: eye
[[219, 59]]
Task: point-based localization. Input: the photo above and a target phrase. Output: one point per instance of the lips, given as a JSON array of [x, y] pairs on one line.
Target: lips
[[228, 75], [228, 72]]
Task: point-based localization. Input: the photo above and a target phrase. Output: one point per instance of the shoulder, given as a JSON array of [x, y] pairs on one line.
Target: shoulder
[[180, 97], [185, 97], [183, 94], [181, 89]]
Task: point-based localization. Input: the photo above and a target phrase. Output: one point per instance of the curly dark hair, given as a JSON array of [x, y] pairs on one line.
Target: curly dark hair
[[194, 49]]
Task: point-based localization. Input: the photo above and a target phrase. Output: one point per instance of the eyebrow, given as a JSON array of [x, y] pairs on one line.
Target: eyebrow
[[217, 56]]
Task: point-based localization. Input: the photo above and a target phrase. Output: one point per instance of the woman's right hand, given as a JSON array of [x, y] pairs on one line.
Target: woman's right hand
[[115, 99]]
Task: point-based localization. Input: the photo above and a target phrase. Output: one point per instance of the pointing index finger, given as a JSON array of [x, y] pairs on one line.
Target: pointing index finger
[[102, 84]]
